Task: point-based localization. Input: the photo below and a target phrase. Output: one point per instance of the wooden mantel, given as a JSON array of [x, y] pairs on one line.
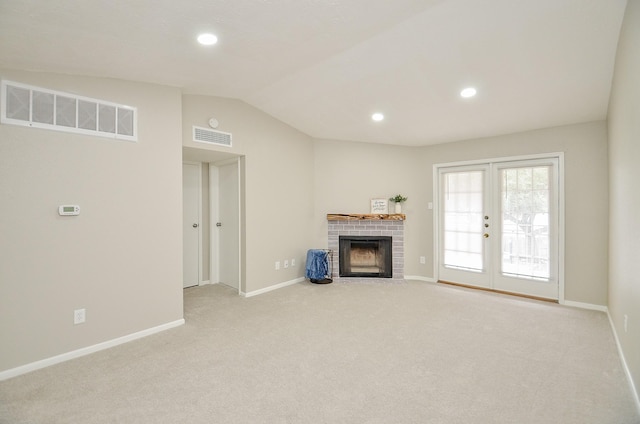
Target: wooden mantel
[[365, 216]]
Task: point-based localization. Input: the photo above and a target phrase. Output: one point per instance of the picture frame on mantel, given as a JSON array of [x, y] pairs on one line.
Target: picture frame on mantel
[[379, 206]]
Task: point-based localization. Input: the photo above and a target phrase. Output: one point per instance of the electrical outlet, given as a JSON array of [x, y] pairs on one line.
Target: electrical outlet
[[79, 316], [626, 320], [286, 263], [293, 263], [277, 265], [423, 260]]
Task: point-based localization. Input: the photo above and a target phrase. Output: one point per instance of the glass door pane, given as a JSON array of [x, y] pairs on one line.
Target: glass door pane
[[463, 212], [525, 195]]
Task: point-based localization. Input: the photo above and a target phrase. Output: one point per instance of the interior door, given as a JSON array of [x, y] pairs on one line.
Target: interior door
[[498, 226], [229, 220], [190, 224]]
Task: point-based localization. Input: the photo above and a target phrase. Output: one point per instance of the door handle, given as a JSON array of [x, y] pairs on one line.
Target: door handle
[[485, 235], [195, 225]]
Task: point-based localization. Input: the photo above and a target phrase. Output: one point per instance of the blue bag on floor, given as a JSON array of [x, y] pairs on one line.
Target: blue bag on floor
[[317, 267]]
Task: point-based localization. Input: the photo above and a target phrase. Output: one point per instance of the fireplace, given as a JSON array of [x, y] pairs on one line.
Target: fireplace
[[369, 225], [365, 256]]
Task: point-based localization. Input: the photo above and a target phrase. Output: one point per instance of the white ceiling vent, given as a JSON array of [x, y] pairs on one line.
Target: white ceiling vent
[[36, 107], [206, 135]]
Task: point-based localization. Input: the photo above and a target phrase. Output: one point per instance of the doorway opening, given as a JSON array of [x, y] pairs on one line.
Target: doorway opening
[[216, 219]]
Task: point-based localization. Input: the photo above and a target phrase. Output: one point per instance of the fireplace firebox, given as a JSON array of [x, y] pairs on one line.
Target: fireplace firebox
[[365, 256]]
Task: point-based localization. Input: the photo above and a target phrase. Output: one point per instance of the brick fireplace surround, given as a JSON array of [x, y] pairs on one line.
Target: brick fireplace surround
[[367, 225]]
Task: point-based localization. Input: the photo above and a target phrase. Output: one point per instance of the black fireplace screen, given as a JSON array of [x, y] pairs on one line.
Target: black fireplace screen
[[365, 256]]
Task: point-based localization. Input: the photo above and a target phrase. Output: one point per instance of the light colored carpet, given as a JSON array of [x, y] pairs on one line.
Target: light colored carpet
[[344, 353]]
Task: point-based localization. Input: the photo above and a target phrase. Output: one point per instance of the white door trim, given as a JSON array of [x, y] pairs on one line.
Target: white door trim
[[561, 208], [214, 212], [239, 163]]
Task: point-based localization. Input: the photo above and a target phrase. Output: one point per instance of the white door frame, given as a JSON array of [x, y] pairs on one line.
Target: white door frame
[[199, 165], [561, 211], [214, 212]]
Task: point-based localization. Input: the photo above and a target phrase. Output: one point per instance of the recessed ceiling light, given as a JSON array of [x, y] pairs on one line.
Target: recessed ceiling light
[[207, 39], [377, 117], [468, 92]]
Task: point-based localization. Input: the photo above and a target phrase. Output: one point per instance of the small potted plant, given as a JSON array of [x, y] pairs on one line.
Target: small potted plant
[[398, 199]]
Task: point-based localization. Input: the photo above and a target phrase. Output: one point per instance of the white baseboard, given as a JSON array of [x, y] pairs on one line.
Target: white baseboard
[[634, 392], [274, 287], [14, 372], [419, 278], [581, 305]]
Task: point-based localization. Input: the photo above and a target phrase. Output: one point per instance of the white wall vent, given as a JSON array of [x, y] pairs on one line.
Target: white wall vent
[[206, 135], [37, 107]]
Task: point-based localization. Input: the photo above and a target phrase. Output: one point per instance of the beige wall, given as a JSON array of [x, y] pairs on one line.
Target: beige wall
[[348, 174], [624, 165], [121, 257], [278, 185]]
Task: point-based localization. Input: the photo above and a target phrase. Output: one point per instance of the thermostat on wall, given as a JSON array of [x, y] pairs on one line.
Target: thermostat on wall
[[68, 210]]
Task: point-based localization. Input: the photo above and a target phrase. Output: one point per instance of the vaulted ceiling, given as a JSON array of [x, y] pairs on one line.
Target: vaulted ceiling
[[325, 66]]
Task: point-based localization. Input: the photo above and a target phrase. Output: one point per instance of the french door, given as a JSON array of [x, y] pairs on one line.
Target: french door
[[498, 226]]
